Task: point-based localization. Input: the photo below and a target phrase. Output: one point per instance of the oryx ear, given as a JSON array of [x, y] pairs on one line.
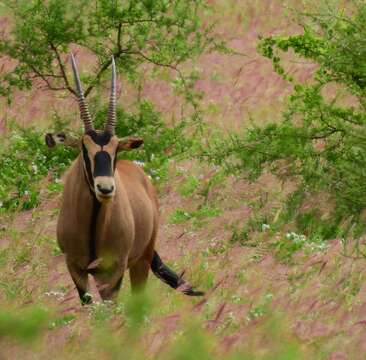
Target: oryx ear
[[130, 142], [61, 138]]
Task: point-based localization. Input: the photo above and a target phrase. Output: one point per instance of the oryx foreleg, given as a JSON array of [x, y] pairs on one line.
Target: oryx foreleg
[[80, 279]]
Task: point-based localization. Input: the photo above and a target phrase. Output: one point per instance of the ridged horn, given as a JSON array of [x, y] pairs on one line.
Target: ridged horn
[[111, 120], [84, 112]]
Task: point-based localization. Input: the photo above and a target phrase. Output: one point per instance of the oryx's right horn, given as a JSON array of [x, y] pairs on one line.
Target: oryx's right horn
[[84, 112]]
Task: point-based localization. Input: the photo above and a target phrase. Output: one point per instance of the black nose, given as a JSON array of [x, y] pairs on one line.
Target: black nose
[[105, 190]]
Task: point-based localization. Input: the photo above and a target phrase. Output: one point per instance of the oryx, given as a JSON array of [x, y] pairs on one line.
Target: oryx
[[109, 215]]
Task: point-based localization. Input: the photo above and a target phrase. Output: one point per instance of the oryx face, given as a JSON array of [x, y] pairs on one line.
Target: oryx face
[[99, 152]]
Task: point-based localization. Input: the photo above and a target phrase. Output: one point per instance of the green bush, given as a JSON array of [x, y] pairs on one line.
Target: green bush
[[319, 144], [23, 325], [25, 161]]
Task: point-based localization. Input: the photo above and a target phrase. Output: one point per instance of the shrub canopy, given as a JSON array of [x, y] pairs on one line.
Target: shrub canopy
[[320, 141]]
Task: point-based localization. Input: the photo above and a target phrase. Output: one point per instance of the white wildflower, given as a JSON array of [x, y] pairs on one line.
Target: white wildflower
[[181, 168], [265, 227], [296, 238], [56, 294], [140, 163]]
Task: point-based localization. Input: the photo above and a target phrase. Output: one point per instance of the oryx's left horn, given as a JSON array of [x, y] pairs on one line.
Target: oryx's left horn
[[111, 121]]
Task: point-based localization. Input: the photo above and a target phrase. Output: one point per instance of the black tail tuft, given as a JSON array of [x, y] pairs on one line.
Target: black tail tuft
[[167, 275]]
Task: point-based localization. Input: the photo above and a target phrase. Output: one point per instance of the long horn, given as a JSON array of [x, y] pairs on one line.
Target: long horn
[[111, 121], [84, 112]]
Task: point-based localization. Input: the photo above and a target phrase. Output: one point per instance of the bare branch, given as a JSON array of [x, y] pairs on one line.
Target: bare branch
[[101, 70], [62, 68], [119, 32], [324, 136], [46, 75], [170, 66], [46, 80], [138, 21]]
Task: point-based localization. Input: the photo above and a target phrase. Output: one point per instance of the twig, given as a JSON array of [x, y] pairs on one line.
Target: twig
[[62, 68], [44, 78]]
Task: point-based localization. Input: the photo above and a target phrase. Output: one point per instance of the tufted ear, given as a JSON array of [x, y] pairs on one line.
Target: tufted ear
[[130, 142], [61, 138]]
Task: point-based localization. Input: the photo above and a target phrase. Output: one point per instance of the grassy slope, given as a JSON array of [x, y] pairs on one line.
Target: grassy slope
[[313, 307]]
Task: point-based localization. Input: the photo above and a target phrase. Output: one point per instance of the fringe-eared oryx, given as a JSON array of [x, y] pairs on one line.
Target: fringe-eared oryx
[[109, 215]]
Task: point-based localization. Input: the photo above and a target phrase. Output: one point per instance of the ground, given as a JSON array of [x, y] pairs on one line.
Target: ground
[[256, 303]]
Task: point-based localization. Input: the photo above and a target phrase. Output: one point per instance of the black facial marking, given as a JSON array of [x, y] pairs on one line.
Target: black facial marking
[[87, 165], [61, 135], [115, 160], [100, 138], [137, 143], [50, 142], [93, 230], [102, 164]]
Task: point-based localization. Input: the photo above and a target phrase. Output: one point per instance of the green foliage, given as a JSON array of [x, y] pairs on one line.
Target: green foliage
[[179, 216], [200, 215], [240, 236], [287, 245], [312, 224], [138, 308], [101, 313], [192, 345], [260, 309], [188, 188], [320, 142], [12, 290], [284, 246], [23, 324], [24, 162], [162, 33], [62, 321]]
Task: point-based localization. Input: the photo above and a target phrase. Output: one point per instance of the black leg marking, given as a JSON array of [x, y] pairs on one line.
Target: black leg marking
[[85, 297], [118, 284]]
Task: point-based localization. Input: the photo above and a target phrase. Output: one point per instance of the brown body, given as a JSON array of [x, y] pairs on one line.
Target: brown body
[[125, 228]]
